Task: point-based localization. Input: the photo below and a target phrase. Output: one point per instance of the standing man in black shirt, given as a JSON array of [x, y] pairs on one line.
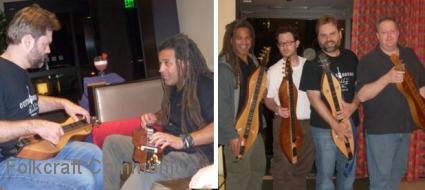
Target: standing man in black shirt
[[343, 63], [388, 120], [236, 64]]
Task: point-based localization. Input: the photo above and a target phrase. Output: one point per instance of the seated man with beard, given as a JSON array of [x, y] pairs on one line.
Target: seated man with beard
[[78, 165]]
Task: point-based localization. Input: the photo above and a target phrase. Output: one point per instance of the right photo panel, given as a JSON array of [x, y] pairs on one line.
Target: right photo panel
[[324, 94]]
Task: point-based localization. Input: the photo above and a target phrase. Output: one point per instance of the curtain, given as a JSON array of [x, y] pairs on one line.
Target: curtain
[[410, 15]]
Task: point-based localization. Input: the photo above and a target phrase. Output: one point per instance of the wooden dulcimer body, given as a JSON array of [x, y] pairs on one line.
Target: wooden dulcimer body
[[331, 90], [248, 121], [35, 148], [290, 134], [145, 153], [408, 88]]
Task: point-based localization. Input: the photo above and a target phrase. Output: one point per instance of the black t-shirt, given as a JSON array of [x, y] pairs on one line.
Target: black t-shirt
[[388, 112], [205, 92], [246, 72], [344, 67], [18, 99]]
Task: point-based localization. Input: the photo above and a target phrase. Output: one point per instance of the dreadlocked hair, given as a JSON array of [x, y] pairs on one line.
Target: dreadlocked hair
[[228, 51], [191, 65]]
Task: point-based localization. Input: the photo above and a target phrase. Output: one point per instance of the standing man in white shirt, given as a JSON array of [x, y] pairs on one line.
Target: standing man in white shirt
[[286, 175]]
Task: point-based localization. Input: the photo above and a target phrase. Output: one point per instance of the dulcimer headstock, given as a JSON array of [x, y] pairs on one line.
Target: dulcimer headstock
[[287, 70], [264, 56], [324, 63], [399, 65]]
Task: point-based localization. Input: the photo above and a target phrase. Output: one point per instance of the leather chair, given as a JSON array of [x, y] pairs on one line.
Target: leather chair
[[131, 99], [126, 100]]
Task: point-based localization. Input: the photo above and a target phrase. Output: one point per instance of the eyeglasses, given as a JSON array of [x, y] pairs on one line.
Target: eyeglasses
[[285, 44]]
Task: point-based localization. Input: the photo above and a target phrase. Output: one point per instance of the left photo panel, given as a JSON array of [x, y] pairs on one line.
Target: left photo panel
[[106, 94]]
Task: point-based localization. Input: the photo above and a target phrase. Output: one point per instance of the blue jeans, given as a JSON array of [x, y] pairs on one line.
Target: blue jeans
[[387, 159], [329, 158], [77, 166]]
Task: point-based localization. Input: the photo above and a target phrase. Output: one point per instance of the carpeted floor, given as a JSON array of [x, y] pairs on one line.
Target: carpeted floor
[[359, 184]]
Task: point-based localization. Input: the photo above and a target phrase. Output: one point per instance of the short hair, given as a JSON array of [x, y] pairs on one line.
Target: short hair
[[287, 29], [383, 19], [326, 19], [32, 20]]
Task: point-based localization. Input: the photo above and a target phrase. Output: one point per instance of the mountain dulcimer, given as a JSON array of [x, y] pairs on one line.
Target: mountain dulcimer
[[408, 88], [331, 90], [145, 153], [248, 121], [290, 134], [35, 148]]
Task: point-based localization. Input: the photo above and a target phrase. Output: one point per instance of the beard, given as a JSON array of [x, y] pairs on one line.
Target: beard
[[328, 47], [36, 58]]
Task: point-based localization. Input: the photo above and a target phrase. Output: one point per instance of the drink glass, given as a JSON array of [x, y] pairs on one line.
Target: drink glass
[[100, 65]]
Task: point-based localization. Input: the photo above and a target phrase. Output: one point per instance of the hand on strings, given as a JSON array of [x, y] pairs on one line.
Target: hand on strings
[[340, 115], [148, 118], [162, 140], [75, 111], [47, 130], [342, 130]]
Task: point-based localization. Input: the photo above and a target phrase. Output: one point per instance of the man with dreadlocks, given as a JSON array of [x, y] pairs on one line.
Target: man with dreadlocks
[[236, 64], [186, 114]]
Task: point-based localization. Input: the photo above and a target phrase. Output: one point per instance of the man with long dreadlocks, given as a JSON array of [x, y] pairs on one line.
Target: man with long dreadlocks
[[186, 114], [236, 64]]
